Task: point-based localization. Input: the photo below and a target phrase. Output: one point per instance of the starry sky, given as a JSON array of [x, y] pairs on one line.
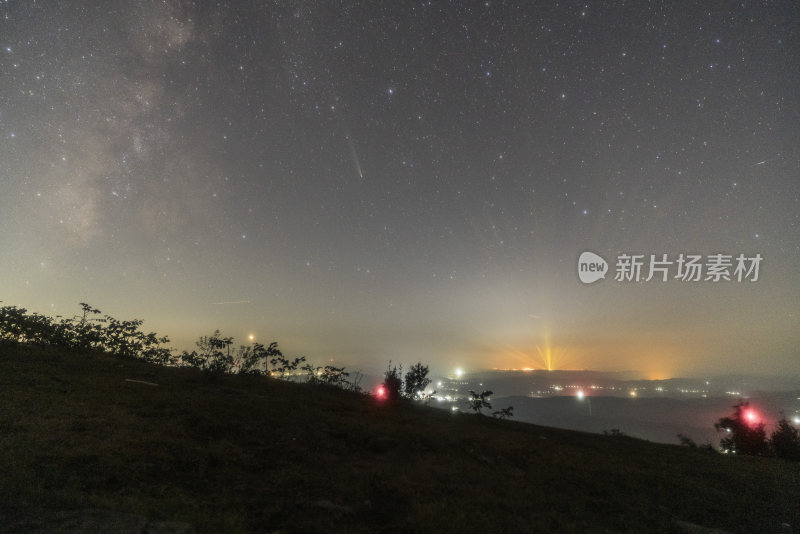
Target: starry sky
[[374, 181]]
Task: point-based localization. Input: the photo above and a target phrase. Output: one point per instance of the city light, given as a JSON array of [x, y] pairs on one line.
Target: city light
[[580, 394]]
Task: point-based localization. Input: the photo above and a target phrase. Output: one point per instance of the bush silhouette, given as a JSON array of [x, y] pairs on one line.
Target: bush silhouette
[[393, 382], [91, 330], [412, 386], [84, 332], [504, 413]]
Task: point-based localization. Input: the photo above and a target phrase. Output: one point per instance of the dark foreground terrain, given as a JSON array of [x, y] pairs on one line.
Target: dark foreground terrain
[[250, 454]]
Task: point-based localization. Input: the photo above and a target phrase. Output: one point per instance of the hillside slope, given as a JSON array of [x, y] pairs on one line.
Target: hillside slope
[[248, 454]]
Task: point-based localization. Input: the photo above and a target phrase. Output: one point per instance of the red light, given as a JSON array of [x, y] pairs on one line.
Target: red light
[[751, 417], [381, 392]]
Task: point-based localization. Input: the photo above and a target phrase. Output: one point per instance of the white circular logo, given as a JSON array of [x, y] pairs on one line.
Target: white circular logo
[[591, 267]]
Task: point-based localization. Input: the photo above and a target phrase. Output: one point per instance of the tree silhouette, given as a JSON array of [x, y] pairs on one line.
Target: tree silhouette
[[480, 401], [416, 381], [744, 431], [785, 441]]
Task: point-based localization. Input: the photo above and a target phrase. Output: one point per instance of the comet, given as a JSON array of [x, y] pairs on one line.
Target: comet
[[352, 146], [355, 156]]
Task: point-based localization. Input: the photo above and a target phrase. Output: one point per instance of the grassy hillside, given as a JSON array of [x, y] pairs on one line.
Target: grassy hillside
[[250, 454]]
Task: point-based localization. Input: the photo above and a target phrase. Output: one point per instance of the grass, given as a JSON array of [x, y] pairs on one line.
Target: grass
[[249, 454]]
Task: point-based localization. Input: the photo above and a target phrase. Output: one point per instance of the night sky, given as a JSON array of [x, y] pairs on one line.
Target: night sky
[[366, 181]]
